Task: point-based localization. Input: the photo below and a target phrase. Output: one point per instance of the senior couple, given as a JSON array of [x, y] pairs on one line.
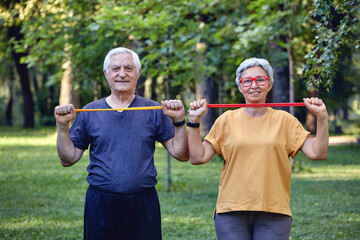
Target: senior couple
[[254, 192]]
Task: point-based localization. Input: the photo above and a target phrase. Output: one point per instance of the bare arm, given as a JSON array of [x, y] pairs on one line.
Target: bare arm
[[200, 152], [68, 154], [178, 145], [317, 148]]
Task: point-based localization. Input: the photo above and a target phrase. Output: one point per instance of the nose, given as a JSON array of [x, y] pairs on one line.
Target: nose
[[254, 84], [122, 73]]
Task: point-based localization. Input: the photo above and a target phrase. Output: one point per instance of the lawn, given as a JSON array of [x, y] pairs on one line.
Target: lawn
[[39, 199]]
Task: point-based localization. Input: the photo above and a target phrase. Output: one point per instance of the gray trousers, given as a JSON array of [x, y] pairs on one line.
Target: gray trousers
[[244, 225]]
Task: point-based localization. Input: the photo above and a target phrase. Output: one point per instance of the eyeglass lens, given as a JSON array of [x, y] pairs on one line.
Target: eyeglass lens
[[246, 82]]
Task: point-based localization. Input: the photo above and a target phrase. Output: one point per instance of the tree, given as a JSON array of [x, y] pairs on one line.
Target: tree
[[13, 23], [337, 25], [7, 76], [275, 30]]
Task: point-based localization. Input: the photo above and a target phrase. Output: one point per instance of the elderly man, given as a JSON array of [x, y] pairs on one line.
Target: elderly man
[[121, 201]]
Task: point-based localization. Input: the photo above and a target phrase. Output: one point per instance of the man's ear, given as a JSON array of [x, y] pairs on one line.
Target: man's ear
[[139, 73], [105, 74]]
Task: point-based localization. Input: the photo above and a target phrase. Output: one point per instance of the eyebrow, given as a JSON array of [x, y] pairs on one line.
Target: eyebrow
[[255, 77], [126, 65]]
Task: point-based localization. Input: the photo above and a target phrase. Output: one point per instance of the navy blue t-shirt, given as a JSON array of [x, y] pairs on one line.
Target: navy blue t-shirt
[[122, 144]]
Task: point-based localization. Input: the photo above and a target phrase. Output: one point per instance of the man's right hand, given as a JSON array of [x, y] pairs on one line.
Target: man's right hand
[[64, 114]]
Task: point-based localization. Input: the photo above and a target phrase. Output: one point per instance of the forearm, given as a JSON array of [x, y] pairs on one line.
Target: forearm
[[180, 144], [321, 142], [65, 146], [196, 149], [200, 152]]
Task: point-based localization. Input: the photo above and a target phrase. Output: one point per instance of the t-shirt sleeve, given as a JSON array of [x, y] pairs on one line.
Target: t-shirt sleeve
[[215, 136], [297, 138], [165, 128], [78, 132]]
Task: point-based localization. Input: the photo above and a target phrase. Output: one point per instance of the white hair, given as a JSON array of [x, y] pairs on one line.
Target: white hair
[[252, 62], [120, 50]]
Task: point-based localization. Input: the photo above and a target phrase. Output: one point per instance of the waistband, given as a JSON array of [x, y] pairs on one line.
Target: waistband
[[117, 194]]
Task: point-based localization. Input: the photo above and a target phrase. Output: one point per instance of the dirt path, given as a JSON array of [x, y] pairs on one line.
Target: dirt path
[[338, 140]]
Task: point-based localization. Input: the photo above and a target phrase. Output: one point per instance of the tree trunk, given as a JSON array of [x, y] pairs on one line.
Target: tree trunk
[[223, 79], [280, 90], [140, 87], [291, 74], [28, 103], [289, 39], [207, 89], [66, 85], [66, 88], [345, 111], [153, 94], [34, 78], [8, 113]]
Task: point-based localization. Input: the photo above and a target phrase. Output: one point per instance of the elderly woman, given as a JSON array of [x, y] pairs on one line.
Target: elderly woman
[[254, 189]]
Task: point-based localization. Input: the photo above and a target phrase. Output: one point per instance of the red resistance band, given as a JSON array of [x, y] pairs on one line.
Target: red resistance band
[[300, 104]]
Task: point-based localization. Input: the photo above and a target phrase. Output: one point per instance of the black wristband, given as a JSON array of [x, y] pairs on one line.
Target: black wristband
[[178, 124], [193, 125]]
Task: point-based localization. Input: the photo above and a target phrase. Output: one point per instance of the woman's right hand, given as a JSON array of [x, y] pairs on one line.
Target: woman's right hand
[[197, 109]]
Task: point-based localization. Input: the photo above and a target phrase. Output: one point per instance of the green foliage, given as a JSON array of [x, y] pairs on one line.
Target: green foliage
[[165, 36], [338, 25], [184, 41], [39, 199]]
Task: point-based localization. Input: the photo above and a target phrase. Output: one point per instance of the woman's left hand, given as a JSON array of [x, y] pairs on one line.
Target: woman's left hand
[[316, 106]]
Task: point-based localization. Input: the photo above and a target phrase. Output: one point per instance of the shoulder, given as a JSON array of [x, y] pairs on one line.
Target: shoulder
[[141, 101], [227, 117], [229, 114], [282, 116], [281, 113], [101, 103]]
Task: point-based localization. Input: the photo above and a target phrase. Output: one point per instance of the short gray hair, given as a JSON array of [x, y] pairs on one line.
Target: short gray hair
[[120, 50], [253, 62]]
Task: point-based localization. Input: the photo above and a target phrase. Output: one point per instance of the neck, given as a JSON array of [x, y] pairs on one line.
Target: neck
[[120, 101], [255, 112]]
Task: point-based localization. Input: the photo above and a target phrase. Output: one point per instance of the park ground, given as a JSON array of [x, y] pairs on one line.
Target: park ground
[[39, 199], [339, 140]]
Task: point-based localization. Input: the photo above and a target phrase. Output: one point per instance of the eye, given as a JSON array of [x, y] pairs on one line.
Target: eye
[[260, 79], [247, 81], [128, 68]]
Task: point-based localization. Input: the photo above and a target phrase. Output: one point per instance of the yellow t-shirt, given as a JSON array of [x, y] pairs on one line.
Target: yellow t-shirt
[[256, 175]]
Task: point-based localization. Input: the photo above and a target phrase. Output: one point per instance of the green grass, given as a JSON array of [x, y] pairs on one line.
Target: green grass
[[39, 199]]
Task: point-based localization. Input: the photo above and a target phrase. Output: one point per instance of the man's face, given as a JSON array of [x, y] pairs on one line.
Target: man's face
[[122, 77]]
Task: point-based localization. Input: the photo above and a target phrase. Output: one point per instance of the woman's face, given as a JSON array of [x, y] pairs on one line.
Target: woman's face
[[255, 93]]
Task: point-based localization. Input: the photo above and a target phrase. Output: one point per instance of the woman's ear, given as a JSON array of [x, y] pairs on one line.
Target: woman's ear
[[270, 85], [239, 87]]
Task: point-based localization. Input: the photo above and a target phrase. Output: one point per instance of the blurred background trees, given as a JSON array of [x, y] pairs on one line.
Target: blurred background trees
[[52, 52]]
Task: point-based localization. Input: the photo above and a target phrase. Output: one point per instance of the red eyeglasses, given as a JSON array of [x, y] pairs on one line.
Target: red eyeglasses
[[248, 81]]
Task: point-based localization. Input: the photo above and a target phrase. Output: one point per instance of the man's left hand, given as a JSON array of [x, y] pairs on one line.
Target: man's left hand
[[174, 109]]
